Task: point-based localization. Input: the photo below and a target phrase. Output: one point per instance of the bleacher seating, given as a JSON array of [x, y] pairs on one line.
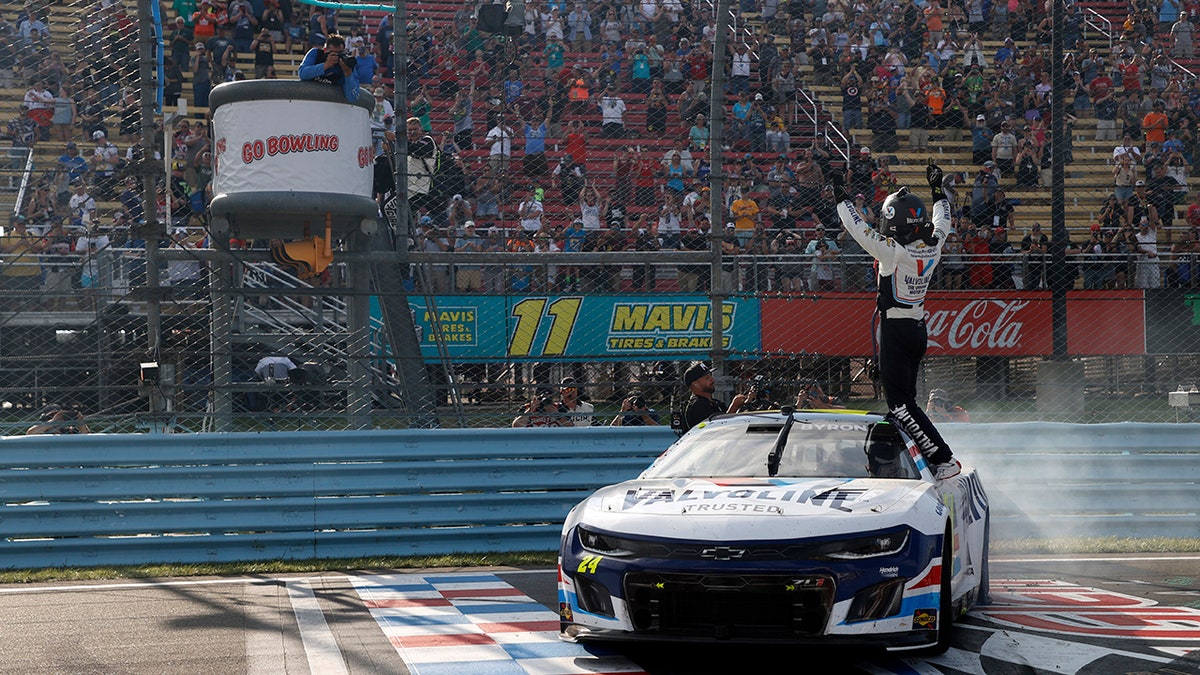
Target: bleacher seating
[[1088, 178]]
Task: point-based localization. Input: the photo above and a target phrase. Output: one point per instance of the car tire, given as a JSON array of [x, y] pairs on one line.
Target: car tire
[[945, 598], [985, 575]]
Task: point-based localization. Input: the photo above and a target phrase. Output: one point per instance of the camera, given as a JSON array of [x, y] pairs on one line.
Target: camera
[[637, 401], [760, 388], [348, 61], [545, 402]]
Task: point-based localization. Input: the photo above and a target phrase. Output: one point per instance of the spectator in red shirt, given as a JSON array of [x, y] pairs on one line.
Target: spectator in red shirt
[[979, 270], [576, 142], [1131, 73]]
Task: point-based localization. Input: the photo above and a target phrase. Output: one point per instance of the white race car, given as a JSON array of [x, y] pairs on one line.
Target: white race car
[[785, 526]]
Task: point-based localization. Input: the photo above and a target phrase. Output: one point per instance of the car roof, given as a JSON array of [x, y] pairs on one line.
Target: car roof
[[863, 416]]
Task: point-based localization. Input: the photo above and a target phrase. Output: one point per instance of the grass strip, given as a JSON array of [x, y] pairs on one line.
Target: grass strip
[[1072, 545]]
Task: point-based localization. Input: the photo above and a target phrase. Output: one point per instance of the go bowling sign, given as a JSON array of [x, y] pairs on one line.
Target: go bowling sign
[[292, 145]]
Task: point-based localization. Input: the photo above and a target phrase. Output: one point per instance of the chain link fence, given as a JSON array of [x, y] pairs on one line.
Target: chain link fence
[[594, 253]]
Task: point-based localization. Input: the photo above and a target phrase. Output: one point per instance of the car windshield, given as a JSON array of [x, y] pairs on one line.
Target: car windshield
[[814, 449]]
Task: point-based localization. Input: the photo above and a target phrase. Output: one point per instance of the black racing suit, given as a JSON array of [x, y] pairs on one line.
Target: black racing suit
[[904, 275]]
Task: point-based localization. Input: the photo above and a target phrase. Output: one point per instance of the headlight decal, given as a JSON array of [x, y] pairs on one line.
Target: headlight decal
[[607, 544], [868, 546]]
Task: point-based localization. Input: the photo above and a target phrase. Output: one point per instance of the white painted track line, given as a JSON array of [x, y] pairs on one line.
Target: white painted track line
[[324, 657]]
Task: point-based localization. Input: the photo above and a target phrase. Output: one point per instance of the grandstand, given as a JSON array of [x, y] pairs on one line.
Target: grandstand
[[93, 47], [1088, 181]]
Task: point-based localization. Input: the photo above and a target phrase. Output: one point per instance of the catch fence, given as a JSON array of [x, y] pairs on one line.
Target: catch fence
[[141, 326]]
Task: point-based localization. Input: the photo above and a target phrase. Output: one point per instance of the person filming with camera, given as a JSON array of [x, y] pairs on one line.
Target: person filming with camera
[[331, 65], [635, 412], [758, 397], [542, 411]]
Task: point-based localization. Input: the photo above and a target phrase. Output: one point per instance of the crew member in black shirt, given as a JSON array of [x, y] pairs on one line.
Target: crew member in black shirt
[[699, 380]]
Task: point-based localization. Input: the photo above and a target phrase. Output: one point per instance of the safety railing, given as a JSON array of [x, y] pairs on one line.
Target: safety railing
[[74, 501]]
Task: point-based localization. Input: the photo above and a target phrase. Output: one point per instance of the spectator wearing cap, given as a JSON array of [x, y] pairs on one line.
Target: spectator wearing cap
[[1139, 207], [1006, 54], [1034, 247], [81, 204], [739, 123], [579, 413], [986, 183], [1154, 124], [612, 113], [981, 140], [635, 412], [699, 380], [458, 212], [824, 252], [541, 411], [104, 162], [201, 68], [468, 278], [263, 47], [72, 163], [862, 172], [383, 119], [746, 216], [422, 161], [329, 64]]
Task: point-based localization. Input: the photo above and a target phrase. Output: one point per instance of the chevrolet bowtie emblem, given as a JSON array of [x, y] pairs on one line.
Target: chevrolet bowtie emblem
[[722, 553]]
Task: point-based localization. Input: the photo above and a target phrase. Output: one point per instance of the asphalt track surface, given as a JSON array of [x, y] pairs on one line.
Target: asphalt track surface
[[1088, 615]]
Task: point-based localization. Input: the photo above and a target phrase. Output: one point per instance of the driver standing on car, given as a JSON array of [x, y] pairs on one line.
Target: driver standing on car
[[906, 247], [700, 382]]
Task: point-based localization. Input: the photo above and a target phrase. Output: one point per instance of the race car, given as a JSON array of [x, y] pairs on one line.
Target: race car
[[786, 526]]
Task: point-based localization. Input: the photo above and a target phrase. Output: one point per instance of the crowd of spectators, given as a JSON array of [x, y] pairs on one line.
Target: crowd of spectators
[[571, 89], [578, 76]]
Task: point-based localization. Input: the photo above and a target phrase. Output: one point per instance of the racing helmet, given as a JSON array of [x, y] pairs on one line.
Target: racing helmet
[[883, 460], [905, 218]]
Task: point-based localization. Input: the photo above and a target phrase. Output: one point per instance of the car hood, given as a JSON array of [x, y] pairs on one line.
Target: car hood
[[740, 507]]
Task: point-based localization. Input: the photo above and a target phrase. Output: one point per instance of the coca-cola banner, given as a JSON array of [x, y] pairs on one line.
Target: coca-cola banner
[[1017, 323]]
